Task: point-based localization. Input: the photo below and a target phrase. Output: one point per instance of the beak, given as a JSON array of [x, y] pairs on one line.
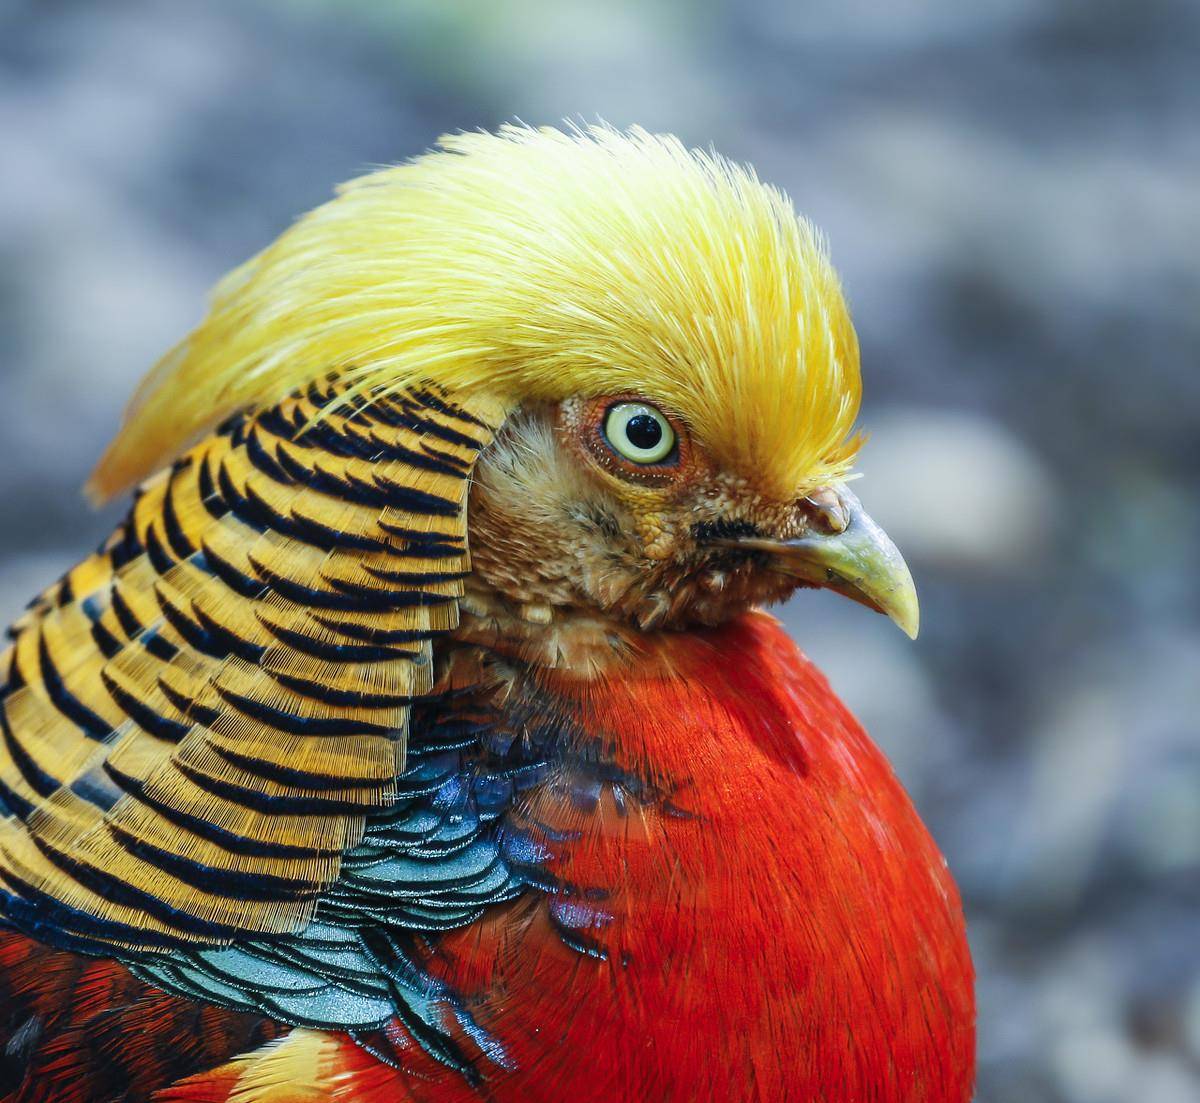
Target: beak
[[847, 552]]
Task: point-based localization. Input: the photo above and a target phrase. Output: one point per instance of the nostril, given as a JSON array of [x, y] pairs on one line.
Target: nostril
[[826, 511]]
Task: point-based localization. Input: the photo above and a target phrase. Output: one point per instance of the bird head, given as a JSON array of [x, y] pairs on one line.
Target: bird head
[[666, 339]]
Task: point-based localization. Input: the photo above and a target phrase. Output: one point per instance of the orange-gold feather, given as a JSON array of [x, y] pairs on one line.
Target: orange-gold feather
[[251, 642]]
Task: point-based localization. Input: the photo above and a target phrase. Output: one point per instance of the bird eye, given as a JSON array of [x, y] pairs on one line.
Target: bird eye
[[639, 433]]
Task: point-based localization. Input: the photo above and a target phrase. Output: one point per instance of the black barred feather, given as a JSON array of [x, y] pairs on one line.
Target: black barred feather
[[199, 720]]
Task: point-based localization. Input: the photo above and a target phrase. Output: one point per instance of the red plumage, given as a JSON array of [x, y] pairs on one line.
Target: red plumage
[[782, 927], [766, 919]]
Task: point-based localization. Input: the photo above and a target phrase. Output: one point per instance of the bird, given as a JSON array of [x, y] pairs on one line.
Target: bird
[[419, 734]]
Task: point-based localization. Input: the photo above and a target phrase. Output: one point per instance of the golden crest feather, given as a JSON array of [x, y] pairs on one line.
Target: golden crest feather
[[536, 264]]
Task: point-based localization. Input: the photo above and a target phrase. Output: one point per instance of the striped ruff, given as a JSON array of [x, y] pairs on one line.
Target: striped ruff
[[197, 720]]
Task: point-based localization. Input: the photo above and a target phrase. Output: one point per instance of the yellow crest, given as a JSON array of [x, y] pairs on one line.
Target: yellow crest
[[536, 263]]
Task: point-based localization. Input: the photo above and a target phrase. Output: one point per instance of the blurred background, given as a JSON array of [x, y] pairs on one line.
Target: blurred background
[[1012, 193]]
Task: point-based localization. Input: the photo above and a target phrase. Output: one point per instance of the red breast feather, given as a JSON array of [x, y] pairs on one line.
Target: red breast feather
[[767, 919], [753, 912]]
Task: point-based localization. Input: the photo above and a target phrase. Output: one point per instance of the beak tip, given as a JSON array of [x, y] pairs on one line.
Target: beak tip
[[904, 612]]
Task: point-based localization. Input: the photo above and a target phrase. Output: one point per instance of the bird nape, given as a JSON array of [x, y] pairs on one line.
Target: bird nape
[[417, 734]]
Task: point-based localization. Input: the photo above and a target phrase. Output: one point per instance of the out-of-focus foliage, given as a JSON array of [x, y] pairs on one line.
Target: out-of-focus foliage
[[1012, 193]]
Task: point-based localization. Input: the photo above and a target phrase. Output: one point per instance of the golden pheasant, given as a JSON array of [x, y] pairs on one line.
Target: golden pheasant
[[416, 736]]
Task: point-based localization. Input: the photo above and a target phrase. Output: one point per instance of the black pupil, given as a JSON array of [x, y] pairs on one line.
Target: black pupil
[[644, 431]]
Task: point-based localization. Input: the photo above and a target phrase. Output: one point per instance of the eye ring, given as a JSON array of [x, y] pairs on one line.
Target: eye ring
[[640, 433]]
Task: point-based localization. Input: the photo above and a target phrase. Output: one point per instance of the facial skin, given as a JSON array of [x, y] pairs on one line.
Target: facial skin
[[562, 522]]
